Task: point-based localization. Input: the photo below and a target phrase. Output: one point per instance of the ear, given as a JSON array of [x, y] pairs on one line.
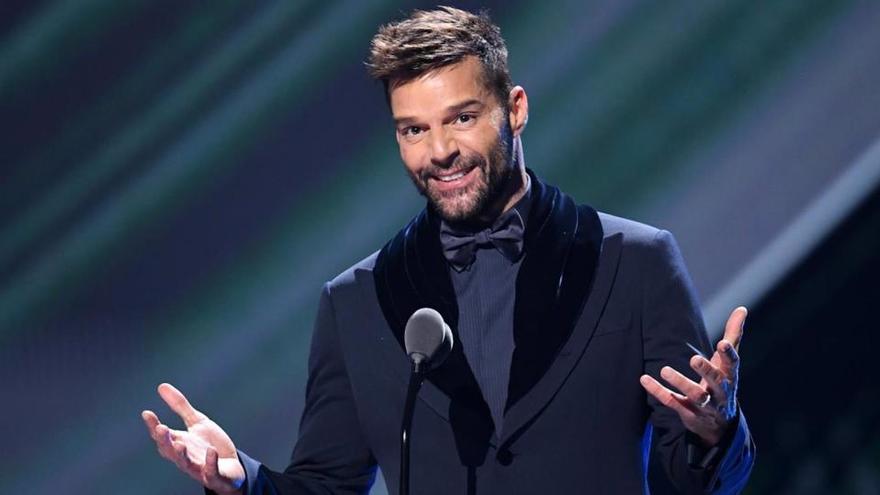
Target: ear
[[518, 102]]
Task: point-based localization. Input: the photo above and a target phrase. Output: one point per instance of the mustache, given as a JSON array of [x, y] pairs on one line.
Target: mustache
[[460, 164]]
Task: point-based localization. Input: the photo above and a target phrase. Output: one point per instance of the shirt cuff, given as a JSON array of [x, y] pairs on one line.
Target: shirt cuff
[[251, 470]]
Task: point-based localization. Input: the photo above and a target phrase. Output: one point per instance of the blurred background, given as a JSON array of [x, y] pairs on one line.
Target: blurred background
[[178, 179]]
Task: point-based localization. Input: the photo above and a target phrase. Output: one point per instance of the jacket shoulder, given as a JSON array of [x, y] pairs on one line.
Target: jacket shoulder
[[351, 275], [633, 232], [656, 247]]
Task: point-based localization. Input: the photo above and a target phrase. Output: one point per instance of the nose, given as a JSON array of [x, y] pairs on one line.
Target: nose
[[444, 149]]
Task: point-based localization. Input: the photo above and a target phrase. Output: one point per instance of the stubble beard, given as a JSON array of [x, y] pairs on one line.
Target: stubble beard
[[468, 204]]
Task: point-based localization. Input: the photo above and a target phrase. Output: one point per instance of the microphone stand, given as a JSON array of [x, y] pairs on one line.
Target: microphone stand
[[416, 377]]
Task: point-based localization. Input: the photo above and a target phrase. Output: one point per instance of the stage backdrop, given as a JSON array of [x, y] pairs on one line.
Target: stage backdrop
[[178, 179]]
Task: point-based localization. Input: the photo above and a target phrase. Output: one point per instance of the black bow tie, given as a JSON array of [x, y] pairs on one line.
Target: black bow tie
[[506, 235]]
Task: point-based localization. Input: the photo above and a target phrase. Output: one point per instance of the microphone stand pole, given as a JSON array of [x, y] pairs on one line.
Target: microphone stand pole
[[416, 377]]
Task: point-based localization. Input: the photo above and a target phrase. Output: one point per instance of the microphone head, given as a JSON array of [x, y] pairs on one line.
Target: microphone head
[[427, 338]]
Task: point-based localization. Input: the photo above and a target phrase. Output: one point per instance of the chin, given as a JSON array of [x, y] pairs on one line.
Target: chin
[[456, 213], [462, 206], [458, 205]]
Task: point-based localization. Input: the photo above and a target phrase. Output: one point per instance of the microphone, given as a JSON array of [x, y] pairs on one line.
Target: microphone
[[428, 342]]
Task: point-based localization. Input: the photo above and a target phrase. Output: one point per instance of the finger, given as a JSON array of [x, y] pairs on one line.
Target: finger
[[714, 379], [186, 464], [733, 330], [729, 358], [180, 450], [692, 390], [175, 451], [151, 421], [173, 435], [667, 397], [164, 442], [183, 459], [178, 403], [212, 469], [165, 437], [161, 434]]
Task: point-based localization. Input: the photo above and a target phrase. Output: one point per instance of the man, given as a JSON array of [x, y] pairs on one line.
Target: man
[[557, 312]]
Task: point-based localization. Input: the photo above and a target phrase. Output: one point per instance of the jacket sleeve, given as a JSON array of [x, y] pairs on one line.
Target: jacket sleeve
[[331, 455], [672, 322]]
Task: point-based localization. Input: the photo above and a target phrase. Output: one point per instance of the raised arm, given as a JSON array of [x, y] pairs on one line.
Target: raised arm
[[699, 431]]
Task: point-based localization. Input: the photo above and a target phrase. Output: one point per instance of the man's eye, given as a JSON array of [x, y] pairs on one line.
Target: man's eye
[[411, 131], [465, 118]]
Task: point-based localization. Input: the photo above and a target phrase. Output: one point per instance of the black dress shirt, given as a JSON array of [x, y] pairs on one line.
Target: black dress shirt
[[486, 291]]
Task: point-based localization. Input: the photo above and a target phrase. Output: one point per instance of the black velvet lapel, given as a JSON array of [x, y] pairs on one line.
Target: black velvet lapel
[[562, 243], [561, 248], [411, 273]]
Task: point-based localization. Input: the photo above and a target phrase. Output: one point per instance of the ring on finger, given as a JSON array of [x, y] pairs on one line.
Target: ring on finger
[[705, 401]]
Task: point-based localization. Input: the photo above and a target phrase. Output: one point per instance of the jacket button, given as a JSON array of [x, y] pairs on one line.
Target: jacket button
[[505, 457]]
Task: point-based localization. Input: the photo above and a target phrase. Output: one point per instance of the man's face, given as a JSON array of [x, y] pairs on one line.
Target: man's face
[[455, 140]]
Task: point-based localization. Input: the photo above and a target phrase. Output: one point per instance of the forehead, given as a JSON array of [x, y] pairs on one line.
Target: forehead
[[440, 89]]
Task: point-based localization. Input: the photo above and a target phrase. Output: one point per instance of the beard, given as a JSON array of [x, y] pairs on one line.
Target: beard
[[467, 204]]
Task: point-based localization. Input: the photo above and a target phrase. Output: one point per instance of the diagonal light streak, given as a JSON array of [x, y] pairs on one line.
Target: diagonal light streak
[[33, 44], [192, 158], [123, 148], [302, 57], [134, 90], [797, 241]]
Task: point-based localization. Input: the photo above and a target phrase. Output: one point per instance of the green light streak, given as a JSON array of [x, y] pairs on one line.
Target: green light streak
[[123, 148], [150, 75], [37, 45], [257, 311], [283, 75]]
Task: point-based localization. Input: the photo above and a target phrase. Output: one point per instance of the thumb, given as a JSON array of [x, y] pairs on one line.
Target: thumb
[[179, 404], [222, 474], [212, 471]]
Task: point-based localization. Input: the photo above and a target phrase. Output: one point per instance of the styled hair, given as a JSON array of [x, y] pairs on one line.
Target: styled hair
[[429, 40]]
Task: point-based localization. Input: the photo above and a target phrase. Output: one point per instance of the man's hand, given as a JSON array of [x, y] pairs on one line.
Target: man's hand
[[706, 408], [204, 451]]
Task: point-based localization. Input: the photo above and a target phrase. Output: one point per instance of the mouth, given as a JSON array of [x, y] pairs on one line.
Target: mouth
[[453, 180], [450, 178]]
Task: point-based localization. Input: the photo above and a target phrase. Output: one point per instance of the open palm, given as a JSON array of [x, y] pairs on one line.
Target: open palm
[[203, 451], [707, 408]]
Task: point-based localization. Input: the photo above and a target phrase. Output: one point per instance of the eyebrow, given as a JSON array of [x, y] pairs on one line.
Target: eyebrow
[[458, 107]]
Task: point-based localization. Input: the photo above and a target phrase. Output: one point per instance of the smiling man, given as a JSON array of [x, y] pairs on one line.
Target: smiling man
[[564, 319], [456, 140]]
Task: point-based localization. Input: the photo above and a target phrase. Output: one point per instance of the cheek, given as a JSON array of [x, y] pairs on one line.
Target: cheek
[[477, 144]]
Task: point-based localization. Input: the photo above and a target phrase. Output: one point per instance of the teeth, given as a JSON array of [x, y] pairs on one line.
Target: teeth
[[450, 178]]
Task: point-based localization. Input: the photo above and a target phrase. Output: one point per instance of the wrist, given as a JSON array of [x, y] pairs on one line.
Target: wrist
[[725, 422]]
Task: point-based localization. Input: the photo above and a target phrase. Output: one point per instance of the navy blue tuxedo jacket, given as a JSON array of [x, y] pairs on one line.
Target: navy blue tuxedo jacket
[[600, 300]]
